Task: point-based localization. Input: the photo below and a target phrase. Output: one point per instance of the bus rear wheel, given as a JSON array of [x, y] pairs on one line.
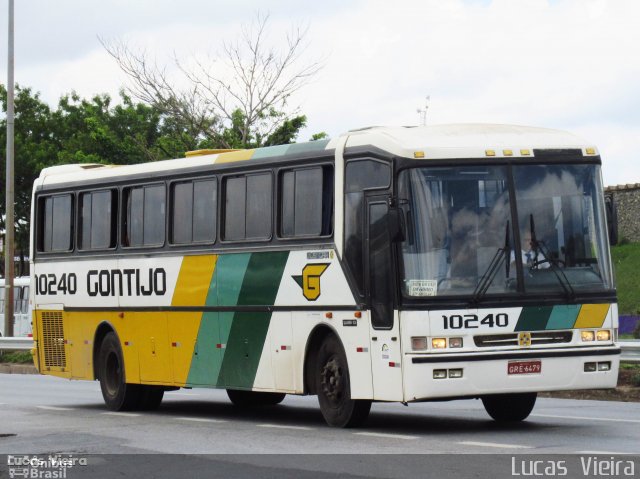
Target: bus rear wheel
[[509, 407], [254, 398], [334, 387], [118, 395]]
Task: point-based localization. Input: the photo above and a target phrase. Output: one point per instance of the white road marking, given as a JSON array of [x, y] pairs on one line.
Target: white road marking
[[55, 408], [494, 444], [199, 419], [604, 453], [125, 414], [280, 426], [581, 418], [386, 435]]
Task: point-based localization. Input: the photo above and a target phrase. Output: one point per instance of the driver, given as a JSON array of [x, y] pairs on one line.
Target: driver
[[529, 258]]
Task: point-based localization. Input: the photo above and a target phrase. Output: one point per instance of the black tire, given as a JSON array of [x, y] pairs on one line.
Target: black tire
[[150, 397], [509, 407], [117, 393], [254, 398], [334, 387]]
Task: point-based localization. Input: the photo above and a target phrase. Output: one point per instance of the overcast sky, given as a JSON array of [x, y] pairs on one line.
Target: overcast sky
[[567, 64]]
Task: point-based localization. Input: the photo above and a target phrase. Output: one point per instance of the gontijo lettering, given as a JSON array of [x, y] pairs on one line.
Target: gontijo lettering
[[127, 282], [106, 282]]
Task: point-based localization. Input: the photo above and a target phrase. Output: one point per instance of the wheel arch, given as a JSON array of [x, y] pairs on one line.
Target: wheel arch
[[317, 335], [102, 330]]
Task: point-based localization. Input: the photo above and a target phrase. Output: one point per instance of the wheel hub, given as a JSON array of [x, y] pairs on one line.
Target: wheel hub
[[332, 383]]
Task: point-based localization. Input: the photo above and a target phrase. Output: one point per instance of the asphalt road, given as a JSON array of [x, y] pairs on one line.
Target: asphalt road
[[44, 415]]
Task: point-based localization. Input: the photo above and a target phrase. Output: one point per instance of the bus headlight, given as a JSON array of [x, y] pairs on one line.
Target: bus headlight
[[603, 335], [418, 343], [587, 335], [455, 342], [438, 343]]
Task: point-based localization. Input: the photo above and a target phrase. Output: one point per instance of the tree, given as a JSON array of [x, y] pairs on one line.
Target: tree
[[80, 131], [240, 100]]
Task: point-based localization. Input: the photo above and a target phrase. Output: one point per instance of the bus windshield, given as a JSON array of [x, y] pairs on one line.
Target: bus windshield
[[461, 238]]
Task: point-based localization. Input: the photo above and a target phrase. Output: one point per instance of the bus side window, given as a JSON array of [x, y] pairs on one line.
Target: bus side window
[[97, 220], [248, 205], [55, 223], [306, 202], [360, 176], [193, 211], [144, 218]]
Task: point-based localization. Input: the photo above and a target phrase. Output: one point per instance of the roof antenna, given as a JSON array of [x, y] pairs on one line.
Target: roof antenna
[[423, 111]]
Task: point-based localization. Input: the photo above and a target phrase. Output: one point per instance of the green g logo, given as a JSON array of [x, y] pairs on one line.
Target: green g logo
[[309, 281]]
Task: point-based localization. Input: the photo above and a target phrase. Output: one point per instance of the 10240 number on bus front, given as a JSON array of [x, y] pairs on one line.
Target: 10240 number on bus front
[[471, 321]]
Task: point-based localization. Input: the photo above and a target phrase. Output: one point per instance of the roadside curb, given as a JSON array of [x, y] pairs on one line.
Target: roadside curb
[[9, 368]]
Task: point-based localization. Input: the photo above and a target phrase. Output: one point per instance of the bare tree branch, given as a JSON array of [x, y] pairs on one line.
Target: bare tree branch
[[249, 77]]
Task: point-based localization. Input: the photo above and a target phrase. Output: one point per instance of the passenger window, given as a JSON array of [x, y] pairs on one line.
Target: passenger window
[[145, 216], [55, 224], [97, 220], [248, 207], [194, 212], [306, 202]]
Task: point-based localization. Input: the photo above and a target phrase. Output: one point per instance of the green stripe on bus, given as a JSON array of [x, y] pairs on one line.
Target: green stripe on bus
[[249, 330], [214, 327], [534, 318], [564, 316], [270, 151]]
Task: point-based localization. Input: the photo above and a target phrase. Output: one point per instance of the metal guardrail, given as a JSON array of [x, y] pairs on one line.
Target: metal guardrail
[[630, 351], [15, 344], [630, 347]]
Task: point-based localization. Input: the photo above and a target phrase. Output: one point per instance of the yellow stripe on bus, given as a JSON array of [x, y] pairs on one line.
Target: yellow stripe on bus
[[192, 289], [232, 156], [193, 282], [592, 316]]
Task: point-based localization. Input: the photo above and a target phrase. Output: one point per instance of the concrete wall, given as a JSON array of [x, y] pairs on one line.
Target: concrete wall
[[627, 199]]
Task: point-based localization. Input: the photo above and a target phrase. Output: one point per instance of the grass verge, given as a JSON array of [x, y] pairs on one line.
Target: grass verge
[[16, 357], [626, 263]]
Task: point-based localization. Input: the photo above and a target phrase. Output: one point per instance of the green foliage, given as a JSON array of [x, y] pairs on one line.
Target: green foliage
[[626, 262], [94, 130], [18, 357], [319, 136]]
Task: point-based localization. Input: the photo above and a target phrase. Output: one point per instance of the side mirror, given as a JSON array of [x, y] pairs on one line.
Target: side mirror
[[395, 225], [612, 218]]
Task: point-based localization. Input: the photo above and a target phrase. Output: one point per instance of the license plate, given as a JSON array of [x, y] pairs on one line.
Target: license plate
[[524, 367]]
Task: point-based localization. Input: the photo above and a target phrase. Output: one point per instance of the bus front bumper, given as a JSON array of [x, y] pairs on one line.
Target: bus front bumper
[[476, 374]]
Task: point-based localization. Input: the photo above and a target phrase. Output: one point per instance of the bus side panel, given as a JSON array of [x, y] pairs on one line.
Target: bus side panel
[[280, 340], [386, 362], [152, 341]]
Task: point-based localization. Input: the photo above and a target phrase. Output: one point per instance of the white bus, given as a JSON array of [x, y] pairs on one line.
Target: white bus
[[21, 306], [388, 264]]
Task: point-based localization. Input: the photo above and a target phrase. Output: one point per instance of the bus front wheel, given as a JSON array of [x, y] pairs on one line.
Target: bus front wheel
[[118, 395], [509, 407], [334, 388]]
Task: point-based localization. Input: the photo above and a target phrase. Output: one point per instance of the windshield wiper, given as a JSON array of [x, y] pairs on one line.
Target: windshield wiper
[[540, 246], [502, 254]]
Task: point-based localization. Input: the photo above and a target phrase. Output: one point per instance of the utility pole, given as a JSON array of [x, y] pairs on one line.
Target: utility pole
[[9, 221], [423, 111]]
